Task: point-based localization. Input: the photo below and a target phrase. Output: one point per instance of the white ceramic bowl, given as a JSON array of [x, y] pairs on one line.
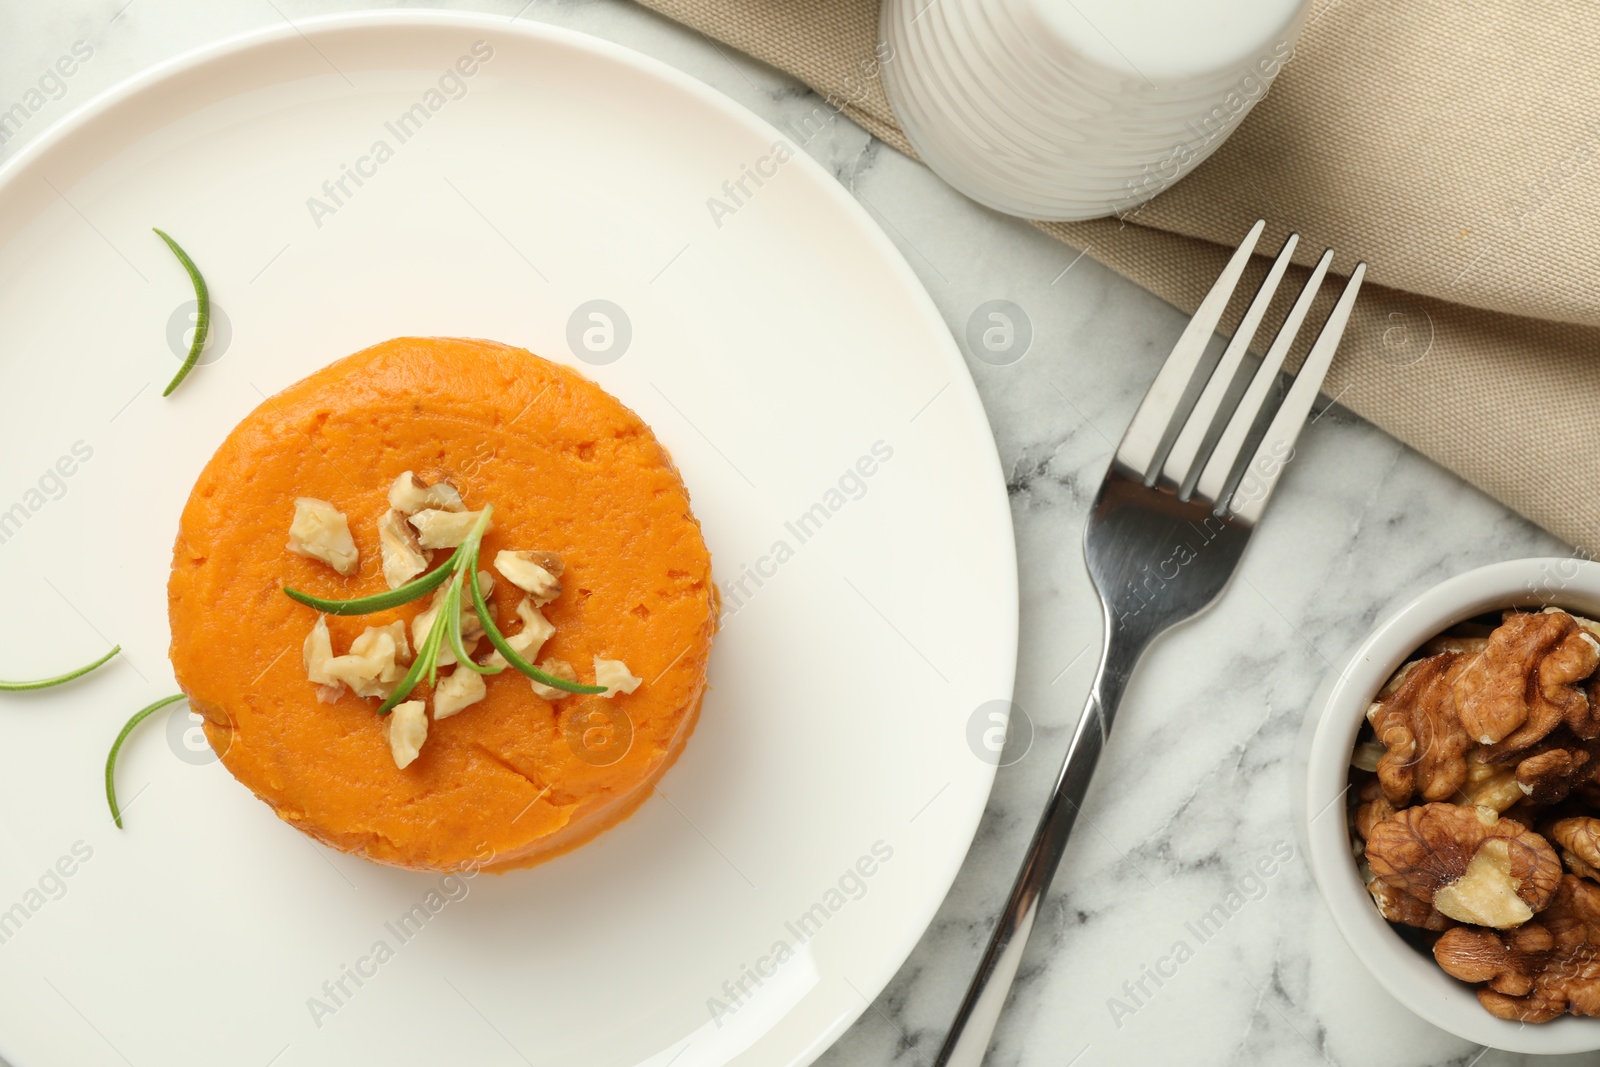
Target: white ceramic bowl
[[1332, 723]]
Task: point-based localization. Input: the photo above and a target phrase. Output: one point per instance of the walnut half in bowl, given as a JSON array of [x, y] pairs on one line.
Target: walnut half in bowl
[[1450, 804]]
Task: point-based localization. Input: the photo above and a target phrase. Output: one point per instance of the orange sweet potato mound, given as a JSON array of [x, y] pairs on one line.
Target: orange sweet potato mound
[[568, 469]]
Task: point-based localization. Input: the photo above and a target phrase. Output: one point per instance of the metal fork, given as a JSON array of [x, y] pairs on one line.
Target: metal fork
[[1163, 539]]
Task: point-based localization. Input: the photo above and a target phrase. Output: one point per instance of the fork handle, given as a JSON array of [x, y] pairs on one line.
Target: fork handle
[[975, 1021]]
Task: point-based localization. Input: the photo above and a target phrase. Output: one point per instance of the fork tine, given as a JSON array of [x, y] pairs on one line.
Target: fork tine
[[1214, 478], [1277, 447], [1181, 458], [1137, 451]]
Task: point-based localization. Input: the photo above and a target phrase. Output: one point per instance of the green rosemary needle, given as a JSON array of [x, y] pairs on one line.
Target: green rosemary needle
[[45, 683], [504, 648], [453, 620], [202, 319], [426, 663], [393, 598], [111, 760]]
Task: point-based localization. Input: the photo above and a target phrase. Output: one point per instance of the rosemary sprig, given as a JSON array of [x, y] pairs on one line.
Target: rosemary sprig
[[447, 619], [426, 662], [111, 760], [45, 683], [393, 598], [202, 320], [453, 599], [504, 648], [463, 562]]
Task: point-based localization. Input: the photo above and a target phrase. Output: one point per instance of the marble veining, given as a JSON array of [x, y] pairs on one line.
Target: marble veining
[[1193, 791]]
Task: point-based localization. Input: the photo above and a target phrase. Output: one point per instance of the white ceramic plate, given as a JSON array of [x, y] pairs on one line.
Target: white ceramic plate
[[779, 348]]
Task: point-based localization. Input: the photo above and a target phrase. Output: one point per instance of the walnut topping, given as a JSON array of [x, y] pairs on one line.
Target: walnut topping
[[411, 493], [456, 691], [1432, 851], [615, 676], [526, 642], [1425, 743], [1541, 970], [406, 728], [535, 573], [318, 652], [1579, 839], [374, 665], [556, 668], [376, 661], [319, 531], [1523, 684], [426, 512], [403, 557], [443, 529]]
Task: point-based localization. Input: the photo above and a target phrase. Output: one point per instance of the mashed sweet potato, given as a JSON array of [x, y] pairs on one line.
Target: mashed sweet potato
[[513, 779]]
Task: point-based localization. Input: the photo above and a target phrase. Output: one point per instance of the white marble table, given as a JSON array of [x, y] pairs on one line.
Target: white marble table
[[1195, 786]]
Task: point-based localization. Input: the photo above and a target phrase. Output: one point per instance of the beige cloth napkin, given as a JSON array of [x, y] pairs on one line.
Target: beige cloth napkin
[[1454, 148]]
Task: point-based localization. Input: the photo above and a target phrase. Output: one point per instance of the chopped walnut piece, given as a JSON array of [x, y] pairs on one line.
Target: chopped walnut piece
[[443, 529], [1527, 982], [411, 493], [536, 573], [1441, 854], [1424, 740], [318, 653], [456, 691], [1489, 785], [1398, 906], [376, 661], [319, 531], [615, 676], [556, 668], [1523, 684], [1579, 838], [526, 642], [406, 728], [403, 556]]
